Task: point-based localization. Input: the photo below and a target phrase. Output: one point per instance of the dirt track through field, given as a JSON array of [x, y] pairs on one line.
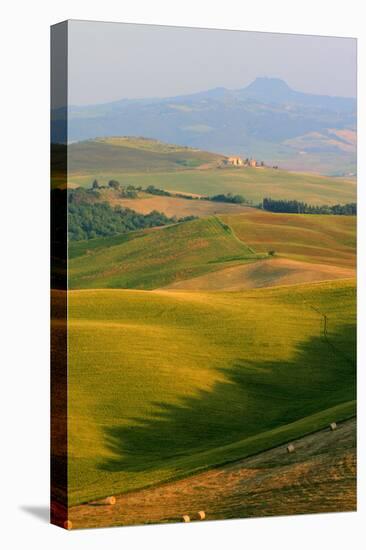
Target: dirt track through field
[[320, 476]]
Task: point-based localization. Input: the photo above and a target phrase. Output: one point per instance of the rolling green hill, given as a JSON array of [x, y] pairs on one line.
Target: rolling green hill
[[217, 253], [154, 258], [144, 162], [162, 384], [312, 238], [123, 154]]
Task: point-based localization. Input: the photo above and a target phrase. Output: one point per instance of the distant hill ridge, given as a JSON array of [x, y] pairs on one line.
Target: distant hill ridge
[[135, 154], [272, 90], [264, 89], [265, 119]]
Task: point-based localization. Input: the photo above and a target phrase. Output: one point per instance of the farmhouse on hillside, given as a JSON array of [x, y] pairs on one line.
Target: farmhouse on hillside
[[234, 161], [239, 162]]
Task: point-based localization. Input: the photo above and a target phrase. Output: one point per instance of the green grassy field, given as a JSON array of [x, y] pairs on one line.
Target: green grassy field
[[133, 154], [162, 384], [157, 257], [253, 183]]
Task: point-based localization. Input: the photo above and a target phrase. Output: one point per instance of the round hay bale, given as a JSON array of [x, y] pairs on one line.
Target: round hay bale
[[333, 426], [110, 501], [201, 515], [186, 519], [68, 524], [290, 448]]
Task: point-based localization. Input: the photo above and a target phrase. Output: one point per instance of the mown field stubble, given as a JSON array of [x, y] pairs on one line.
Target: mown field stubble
[[320, 476]]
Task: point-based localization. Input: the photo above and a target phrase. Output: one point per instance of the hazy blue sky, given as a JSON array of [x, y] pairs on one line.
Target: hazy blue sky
[[111, 61]]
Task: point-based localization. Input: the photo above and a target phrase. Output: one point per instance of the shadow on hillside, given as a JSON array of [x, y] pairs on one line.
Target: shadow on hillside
[[253, 397]]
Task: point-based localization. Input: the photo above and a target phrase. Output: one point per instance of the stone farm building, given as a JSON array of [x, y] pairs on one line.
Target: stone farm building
[[238, 161], [234, 161]]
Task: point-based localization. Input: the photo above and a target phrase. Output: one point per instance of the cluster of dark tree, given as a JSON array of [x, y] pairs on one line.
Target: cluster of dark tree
[[88, 220], [229, 197], [83, 195], [152, 190], [155, 191], [161, 192], [297, 207], [128, 192]]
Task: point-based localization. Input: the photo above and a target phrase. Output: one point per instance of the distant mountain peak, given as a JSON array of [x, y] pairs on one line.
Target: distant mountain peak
[[268, 90], [272, 90], [266, 83]]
